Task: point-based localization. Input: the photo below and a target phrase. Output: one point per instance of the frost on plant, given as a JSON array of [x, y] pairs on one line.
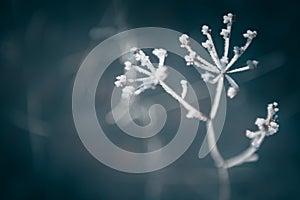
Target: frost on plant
[[222, 66], [266, 127], [212, 73], [152, 76], [134, 86]]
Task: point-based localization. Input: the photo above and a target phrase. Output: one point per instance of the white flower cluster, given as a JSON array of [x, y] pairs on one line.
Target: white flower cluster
[[153, 76], [220, 68], [266, 127], [142, 64]]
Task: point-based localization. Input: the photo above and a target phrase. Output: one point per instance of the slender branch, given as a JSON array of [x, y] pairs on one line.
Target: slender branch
[[185, 104], [217, 97], [228, 20], [205, 64], [214, 151], [139, 79], [232, 61], [150, 65], [238, 53], [141, 70], [232, 82], [245, 68], [241, 158], [204, 67], [227, 41], [213, 52]]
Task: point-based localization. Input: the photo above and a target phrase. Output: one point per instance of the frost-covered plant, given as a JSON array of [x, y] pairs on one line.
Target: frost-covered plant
[[214, 73]]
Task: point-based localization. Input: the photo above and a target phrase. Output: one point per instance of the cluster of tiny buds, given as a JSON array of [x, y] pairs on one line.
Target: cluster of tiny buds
[[266, 127], [121, 81], [229, 18], [250, 34], [184, 40], [140, 63], [206, 30]]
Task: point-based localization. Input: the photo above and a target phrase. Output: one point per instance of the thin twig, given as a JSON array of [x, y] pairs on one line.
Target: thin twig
[[241, 158], [185, 104]]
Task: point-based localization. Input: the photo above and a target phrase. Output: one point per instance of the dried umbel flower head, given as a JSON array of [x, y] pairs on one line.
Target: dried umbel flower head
[[142, 65], [221, 67], [266, 126]]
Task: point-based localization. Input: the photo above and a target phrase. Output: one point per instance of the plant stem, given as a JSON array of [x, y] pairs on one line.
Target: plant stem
[[224, 191], [240, 158], [185, 104], [224, 188]]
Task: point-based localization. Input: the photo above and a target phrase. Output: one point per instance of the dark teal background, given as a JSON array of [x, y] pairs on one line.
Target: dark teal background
[[42, 44]]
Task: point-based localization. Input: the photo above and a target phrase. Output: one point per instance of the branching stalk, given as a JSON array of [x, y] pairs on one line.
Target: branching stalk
[[214, 74]]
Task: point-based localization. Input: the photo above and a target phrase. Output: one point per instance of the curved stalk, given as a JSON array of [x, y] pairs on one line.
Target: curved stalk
[[240, 158]]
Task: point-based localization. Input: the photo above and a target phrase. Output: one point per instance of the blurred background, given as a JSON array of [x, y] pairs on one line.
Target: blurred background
[[42, 44]]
